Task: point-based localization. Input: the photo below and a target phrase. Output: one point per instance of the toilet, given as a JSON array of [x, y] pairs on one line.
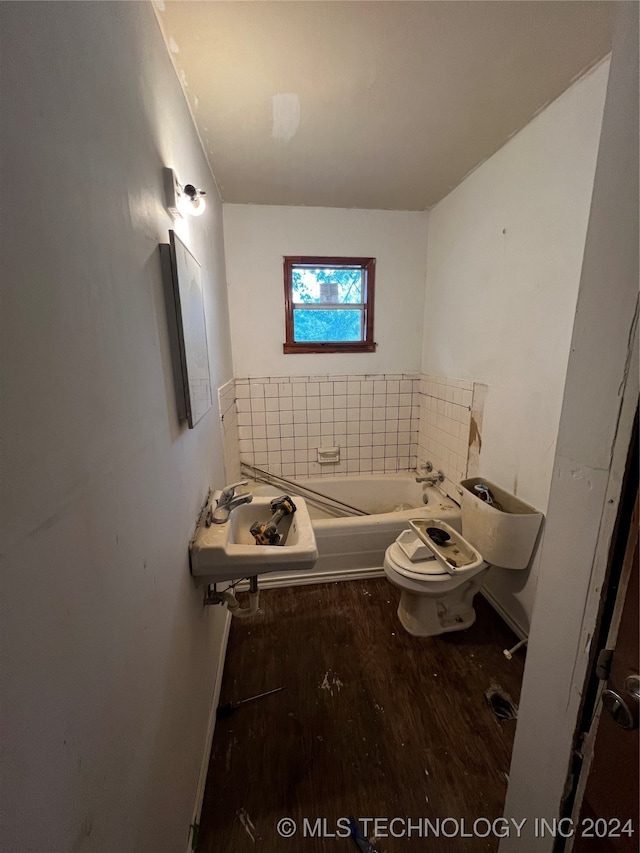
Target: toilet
[[437, 591]]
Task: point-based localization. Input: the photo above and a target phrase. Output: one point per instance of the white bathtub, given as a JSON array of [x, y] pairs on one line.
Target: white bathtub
[[354, 546]]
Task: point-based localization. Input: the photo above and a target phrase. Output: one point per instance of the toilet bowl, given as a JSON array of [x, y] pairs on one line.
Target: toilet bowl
[[437, 592], [432, 601]]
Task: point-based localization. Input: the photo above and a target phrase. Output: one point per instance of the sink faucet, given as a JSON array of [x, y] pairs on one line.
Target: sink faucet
[[228, 500]]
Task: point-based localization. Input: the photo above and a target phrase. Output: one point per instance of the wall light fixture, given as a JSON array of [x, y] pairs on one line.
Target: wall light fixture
[[181, 200]]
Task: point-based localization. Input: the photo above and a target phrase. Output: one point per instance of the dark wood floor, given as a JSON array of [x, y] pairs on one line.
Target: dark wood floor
[[372, 723]]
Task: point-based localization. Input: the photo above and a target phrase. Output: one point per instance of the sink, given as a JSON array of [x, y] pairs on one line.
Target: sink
[[223, 552]]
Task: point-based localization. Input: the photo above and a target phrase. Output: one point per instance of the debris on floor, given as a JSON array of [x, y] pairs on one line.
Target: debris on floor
[[363, 844], [360, 715], [223, 711], [330, 682], [247, 823]]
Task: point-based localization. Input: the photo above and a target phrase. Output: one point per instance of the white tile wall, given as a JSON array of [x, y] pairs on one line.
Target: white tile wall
[[380, 422], [445, 416], [230, 437], [373, 419]]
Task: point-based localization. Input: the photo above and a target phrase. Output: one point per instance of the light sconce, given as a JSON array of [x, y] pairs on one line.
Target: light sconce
[[192, 200], [181, 200]]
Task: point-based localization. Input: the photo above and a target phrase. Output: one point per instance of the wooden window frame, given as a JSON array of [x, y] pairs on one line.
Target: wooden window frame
[[368, 267]]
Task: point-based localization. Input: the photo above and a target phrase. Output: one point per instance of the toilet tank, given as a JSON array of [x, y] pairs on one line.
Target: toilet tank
[[505, 537]]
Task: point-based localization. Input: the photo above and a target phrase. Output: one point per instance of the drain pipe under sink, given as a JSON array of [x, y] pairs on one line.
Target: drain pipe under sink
[[228, 597]]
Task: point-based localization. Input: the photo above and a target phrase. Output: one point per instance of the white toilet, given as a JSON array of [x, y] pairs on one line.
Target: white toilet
[[436, 594]]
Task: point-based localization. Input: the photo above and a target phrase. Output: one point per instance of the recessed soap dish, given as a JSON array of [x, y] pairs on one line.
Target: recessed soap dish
[[328, 455]]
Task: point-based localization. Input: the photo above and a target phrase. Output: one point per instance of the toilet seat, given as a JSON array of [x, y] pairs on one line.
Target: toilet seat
[[425, 577], [429, 571], [416, 570]]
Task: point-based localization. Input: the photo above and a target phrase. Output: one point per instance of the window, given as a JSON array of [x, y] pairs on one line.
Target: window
[[329, 304]]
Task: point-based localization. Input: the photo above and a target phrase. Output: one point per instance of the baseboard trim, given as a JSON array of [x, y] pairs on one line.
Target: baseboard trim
[[215, 699], [274, 581], [515, 626]]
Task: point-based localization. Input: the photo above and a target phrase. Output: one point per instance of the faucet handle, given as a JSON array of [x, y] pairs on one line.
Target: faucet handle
[[229, 491]]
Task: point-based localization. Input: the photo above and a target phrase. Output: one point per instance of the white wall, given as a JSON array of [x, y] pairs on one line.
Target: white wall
[[503, 268], [256, 239], [599, 405], [108, 656]]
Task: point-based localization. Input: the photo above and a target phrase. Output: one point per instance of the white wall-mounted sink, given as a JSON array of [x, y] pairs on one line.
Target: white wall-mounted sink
[[222, 552]]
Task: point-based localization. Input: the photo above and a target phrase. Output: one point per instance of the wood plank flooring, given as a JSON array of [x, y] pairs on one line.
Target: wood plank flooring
[[372, 723]]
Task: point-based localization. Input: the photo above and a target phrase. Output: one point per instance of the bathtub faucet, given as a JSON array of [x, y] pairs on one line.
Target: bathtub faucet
[[431, 479], [228, 500]]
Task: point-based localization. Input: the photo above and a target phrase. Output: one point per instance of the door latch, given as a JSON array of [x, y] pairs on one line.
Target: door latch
[[603, 664]]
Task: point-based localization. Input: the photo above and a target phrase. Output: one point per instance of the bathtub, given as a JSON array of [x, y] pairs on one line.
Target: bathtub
[[353, 546]]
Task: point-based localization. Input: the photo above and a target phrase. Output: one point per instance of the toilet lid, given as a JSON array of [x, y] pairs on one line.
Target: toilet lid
[[419, 569]]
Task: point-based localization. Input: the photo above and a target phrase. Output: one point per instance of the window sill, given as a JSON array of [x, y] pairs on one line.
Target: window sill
[[317, 347]]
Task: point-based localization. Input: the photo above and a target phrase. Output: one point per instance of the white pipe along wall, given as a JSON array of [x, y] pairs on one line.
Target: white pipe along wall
[[109, 657]]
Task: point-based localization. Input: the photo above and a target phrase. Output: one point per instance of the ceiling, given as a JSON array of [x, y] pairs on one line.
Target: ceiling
[[374, 105]]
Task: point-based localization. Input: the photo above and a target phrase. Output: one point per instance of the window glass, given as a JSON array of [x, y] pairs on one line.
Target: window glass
[[328, 285], [329, 304], [327, 325]]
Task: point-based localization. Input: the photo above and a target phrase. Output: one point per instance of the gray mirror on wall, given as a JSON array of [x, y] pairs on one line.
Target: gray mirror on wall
[[187, 329]]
